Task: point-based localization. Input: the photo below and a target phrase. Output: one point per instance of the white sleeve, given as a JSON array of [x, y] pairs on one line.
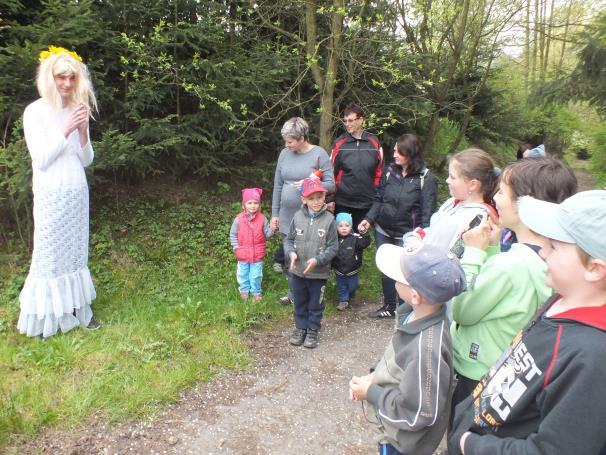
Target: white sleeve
[[86, 153], [44, 142]]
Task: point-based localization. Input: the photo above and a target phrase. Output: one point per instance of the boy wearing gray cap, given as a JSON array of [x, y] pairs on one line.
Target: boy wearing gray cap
[[545, 394], [410, 389]]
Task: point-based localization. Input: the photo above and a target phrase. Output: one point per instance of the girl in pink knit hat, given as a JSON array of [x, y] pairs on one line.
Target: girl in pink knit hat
[[248, 235]]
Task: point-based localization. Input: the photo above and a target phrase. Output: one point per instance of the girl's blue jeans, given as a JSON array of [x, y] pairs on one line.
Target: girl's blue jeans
[[250, 275]]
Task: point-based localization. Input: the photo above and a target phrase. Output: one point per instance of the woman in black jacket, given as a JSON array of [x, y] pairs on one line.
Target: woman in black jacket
[[405, 199]]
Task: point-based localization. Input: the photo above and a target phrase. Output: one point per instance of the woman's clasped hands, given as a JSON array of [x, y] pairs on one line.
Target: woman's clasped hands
[[77, 120]]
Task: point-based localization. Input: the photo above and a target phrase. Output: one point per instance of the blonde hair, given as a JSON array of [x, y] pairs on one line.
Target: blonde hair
[[63, 64]]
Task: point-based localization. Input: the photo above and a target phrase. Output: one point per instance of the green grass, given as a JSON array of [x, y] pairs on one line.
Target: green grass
[[170, 309]]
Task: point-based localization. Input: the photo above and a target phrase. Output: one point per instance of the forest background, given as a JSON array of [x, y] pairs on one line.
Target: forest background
[[192, 95]]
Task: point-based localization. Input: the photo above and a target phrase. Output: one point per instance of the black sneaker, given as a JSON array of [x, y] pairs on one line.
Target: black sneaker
[[297, 337], [285, 300], [93, 325], [311, 340], [385, 312]]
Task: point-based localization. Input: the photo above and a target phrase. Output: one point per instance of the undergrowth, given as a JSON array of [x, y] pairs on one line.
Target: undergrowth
[[169, 306]]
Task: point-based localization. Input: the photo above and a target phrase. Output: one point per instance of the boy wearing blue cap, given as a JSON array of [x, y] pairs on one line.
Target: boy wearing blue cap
[[410, 389], [348, 261], [543, 395]]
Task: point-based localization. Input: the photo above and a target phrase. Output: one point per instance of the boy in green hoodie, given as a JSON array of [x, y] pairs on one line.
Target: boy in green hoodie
[[504, 290]]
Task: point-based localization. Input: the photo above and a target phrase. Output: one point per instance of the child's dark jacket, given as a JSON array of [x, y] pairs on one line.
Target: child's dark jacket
[[412, 385], [348, 260], [312, 237], [545, 395]]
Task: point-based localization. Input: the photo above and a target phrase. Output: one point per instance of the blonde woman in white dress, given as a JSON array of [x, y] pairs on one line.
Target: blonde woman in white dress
[[58, 291]]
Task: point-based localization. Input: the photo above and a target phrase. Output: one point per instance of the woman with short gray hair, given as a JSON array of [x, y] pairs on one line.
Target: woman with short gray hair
[[295, 128], [298, 160]]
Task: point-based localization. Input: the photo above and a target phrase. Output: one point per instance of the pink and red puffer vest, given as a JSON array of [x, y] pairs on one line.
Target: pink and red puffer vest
[[251, 238]]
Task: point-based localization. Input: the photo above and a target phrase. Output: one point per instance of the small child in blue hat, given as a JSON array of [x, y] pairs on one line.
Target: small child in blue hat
[[348, 261]]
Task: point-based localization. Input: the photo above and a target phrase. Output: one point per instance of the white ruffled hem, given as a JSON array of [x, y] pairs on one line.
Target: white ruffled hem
[[48, 305]]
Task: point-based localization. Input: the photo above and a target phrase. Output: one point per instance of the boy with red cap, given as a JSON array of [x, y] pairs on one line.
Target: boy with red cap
[[310, 245], [248, 235]]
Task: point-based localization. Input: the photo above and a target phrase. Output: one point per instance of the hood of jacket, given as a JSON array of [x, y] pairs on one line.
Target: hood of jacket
[[592, 316], [416, 326]]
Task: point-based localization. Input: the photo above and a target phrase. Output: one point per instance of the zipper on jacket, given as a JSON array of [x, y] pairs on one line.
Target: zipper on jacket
[[532, 324]]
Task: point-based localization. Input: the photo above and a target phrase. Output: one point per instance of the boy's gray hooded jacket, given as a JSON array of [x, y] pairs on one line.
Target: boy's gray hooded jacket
[[312, 237], [412, 385]]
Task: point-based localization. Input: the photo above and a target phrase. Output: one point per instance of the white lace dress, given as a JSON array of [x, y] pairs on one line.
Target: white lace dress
[[58, 290]]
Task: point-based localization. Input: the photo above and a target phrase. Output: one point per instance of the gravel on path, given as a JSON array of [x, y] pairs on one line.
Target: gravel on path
[[291, 400]]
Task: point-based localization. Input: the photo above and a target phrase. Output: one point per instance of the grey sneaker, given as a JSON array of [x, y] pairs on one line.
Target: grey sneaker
[[93, 325], [277, 267], [311, 340], [342, 305], [297, 337], [285, 300]]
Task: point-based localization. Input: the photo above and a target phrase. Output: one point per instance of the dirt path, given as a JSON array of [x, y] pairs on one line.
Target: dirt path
[[291, 400], [585, 178]]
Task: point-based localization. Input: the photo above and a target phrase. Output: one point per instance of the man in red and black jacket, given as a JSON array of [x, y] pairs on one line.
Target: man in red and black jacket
[[357, 160]]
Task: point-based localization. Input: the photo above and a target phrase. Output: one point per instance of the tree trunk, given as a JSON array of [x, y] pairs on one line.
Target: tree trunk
[[328, 92], [442, 90], [177, 85], [311, 40], [434, 124], [548, 39], [565, 38], [325, 82], [542, 40], [527, 50], [535, 41], [125, 87]]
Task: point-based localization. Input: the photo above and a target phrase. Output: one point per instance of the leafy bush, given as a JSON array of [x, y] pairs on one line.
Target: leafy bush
[[15, 189], [598, 155], [580, 146], [448, 131], [169, 304]]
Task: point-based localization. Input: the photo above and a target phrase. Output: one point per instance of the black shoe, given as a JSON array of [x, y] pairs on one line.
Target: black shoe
[[285, 300], [93, 325], [297, 337], [311, 340], [385, 312]]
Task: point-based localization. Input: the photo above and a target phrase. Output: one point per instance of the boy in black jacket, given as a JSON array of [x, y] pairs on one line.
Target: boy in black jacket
[[545, 394], [348, 261]]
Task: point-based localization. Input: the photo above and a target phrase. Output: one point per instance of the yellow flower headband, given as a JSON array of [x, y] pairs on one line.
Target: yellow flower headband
[[53, 50]]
